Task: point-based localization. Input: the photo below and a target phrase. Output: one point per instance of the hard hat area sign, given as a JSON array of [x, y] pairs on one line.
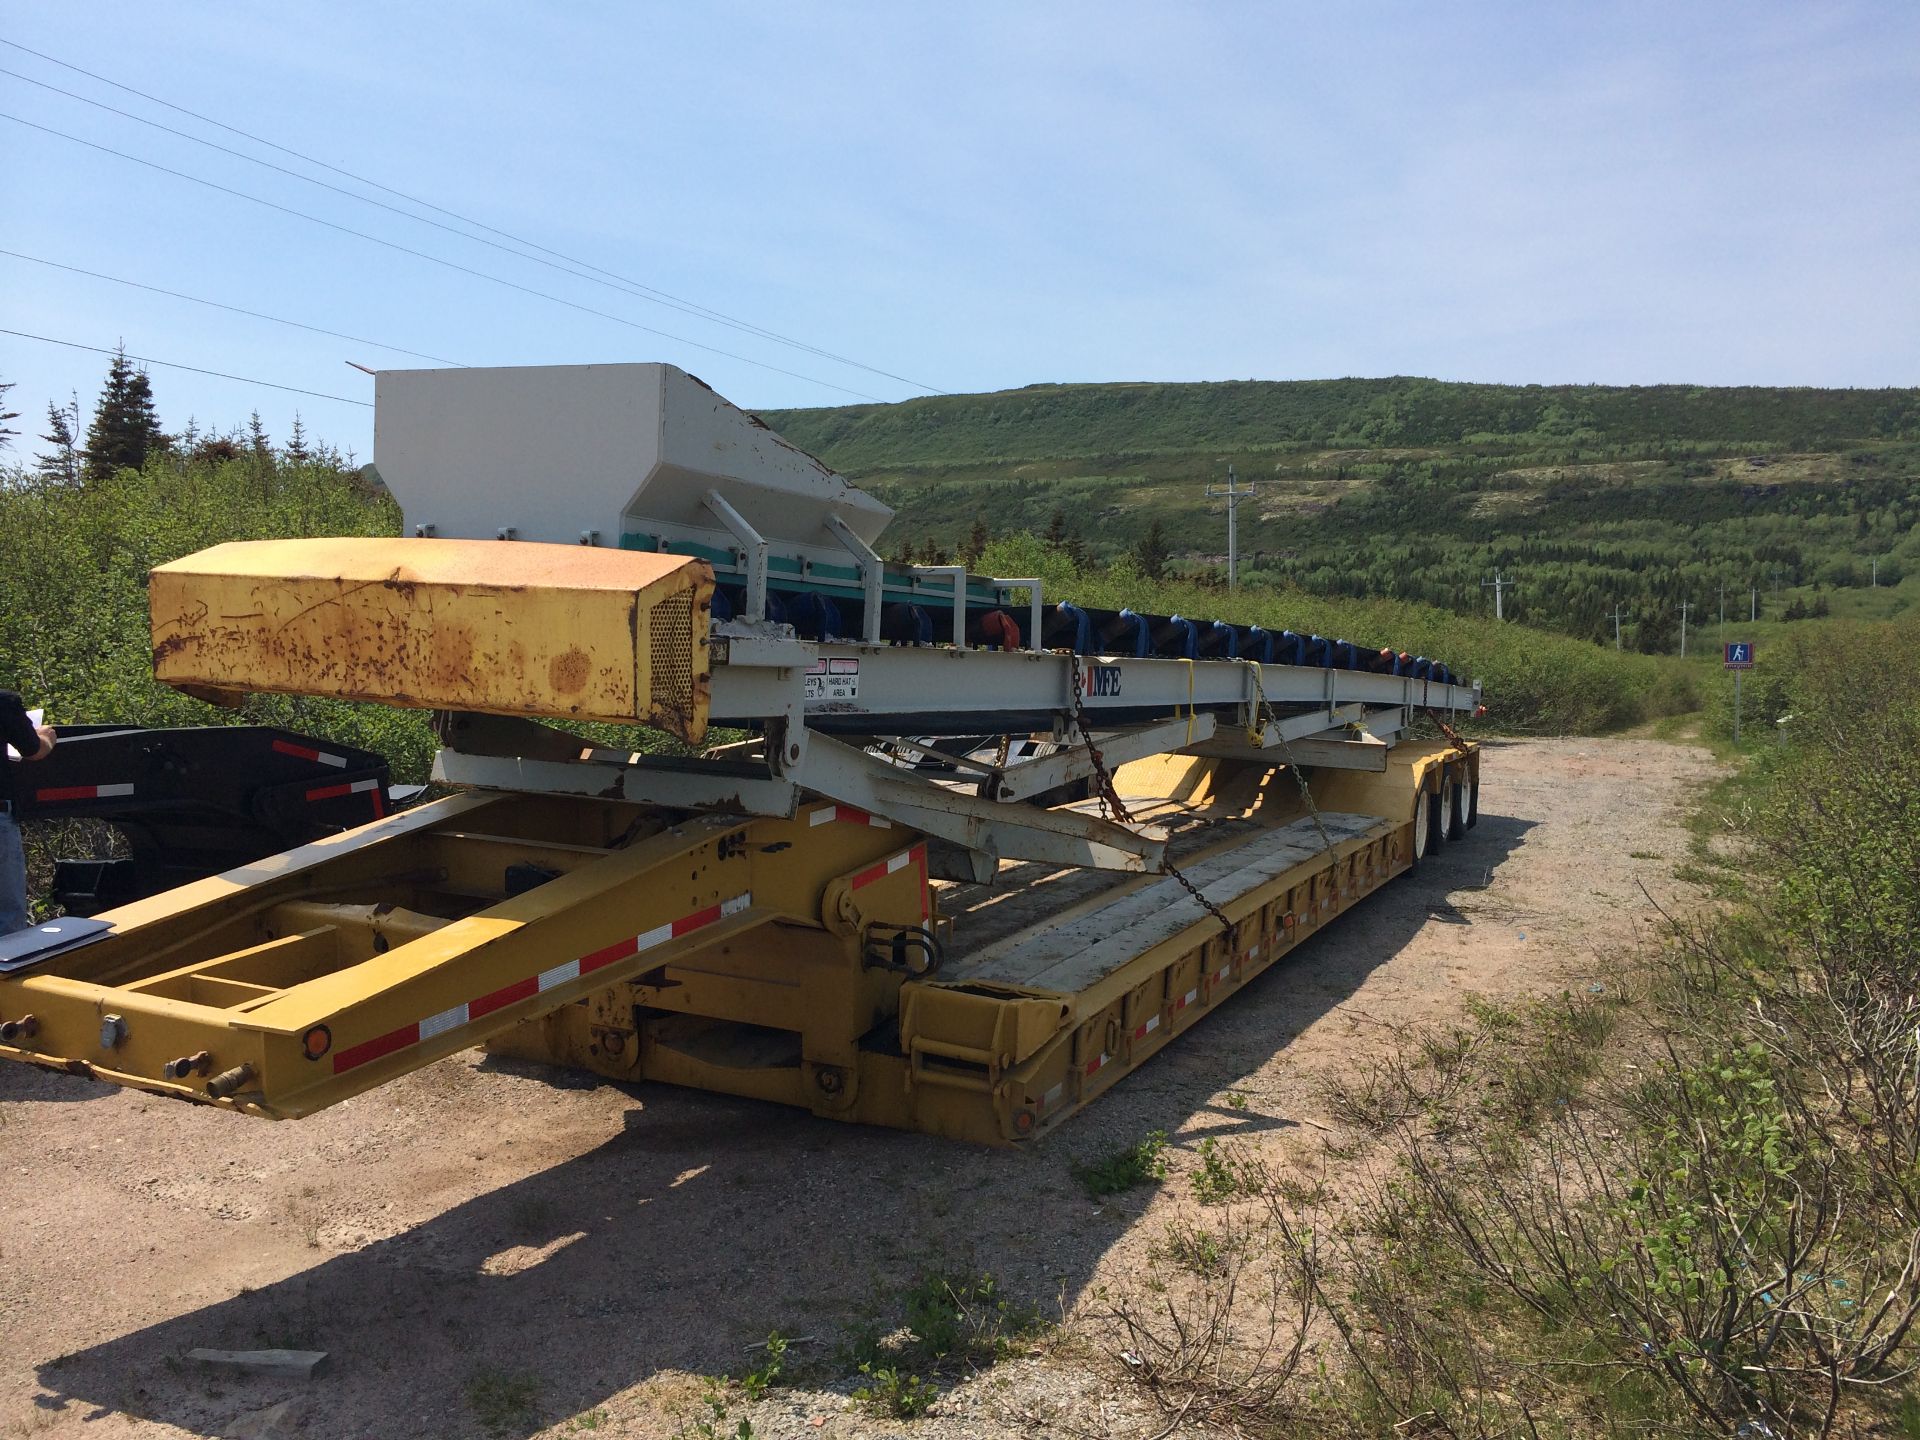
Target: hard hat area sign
[[833, 679], [1739, 655]]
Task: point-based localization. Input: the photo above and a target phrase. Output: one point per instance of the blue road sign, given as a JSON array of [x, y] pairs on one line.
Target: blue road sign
[[1739, 655]]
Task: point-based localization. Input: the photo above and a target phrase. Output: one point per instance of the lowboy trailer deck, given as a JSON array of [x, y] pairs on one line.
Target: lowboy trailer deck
[[968, 860]]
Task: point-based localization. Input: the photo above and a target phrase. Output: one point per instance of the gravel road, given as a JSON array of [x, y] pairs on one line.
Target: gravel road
[[489, 1249]]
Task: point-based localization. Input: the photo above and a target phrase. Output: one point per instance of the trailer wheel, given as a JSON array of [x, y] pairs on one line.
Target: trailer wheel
[[1456, 816], [1422, 826], [1473, 800]]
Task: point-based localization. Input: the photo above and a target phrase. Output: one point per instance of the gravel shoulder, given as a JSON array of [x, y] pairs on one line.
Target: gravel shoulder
[[487, 1248]]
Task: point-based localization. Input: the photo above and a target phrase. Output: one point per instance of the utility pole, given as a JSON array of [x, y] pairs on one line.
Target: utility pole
[[1498, 584], [1684, 607], [1233, 499], [1874, 582], [1618, 613], [1754, 613]]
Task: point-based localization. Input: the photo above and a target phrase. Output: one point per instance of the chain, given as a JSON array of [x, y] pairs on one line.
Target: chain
[[1256, 731], [1447, 730], [1113, 807]]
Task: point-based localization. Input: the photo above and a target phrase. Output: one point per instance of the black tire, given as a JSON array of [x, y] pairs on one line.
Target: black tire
[[1435, 821], [1473, 799], [1457, 808]]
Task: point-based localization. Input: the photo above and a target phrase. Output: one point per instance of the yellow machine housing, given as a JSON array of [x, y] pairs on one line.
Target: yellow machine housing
[[516, 628]]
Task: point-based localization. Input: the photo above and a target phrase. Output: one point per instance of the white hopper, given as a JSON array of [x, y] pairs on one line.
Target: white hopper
[[585, 453]]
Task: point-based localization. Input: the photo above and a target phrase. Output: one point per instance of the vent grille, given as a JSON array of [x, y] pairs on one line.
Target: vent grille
[[671, 654]]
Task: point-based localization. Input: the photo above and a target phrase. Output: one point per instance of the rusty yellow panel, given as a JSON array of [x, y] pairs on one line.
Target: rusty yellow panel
[[503, 627]]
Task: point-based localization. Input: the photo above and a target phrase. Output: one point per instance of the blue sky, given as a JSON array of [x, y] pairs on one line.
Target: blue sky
[[978, 197]]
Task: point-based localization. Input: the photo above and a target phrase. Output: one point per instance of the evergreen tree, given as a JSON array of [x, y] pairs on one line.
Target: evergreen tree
[[124, 425], [297, 450], [1656, 634], [6, 414], [1151, 553], [62, 462], [976, 545], [1061, 537], [257, 434], [145, 418]]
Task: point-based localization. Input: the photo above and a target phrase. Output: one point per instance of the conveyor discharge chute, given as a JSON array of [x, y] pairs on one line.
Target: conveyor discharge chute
[[506, 629]]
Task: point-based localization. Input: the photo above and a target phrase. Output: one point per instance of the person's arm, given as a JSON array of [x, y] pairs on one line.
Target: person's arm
[[45, 735], [21, 733]]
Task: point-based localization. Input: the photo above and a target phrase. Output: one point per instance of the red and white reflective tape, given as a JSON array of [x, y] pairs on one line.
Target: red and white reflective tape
[[1051, 1098], [847, 815], [305, 752], [1093, 1065], [1192, 997], [465, 1014], [82, 792], [1222, 975], [350, 787], [1151, 1024], [880, 869], [893, 865]]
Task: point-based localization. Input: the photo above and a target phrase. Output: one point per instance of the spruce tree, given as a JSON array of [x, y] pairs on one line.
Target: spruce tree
[[124, 425], [145, 418], [62, 462], [297, 450], [976, 542], [1152, 552], [6, 415]]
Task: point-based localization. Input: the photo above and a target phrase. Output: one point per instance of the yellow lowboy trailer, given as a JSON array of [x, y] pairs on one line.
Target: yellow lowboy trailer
[[906, 895]]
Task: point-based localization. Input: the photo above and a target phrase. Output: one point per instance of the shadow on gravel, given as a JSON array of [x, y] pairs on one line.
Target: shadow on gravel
[[21, 1083], [761, 1217]]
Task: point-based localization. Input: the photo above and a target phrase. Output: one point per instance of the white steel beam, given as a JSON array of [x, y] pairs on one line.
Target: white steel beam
[[877, 685], [1071, 762], [755, 546], [1005, 832], [873, 574], [676, 789], [836, 771]]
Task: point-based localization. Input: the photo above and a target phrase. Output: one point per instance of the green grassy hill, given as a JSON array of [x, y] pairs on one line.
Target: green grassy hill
[[1591, 496]]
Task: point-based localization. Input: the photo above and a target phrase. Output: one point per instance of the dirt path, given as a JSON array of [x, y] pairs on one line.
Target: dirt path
[[486, 1251]]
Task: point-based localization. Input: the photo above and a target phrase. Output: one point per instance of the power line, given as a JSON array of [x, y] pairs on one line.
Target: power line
[[625, 284], [638, 293], [176, 365], [236, 309], [436, 259]]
